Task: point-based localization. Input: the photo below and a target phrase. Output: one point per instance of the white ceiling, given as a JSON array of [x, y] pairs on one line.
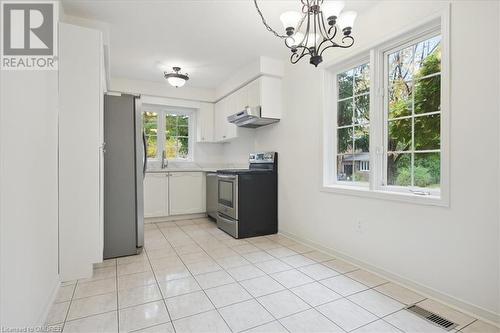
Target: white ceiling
[[208, 39]]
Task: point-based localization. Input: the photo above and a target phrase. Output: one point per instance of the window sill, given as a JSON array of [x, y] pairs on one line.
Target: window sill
[[365, 192]]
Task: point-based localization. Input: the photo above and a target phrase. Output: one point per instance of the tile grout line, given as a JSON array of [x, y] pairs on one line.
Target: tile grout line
[[468, 324], [317, 281], [239, 283], [285, 288], [91, 315], [69, 306], [225, 270], [204, 292], [293, 268], [265, 274], [342, 296], [158, 285], [291, 291]]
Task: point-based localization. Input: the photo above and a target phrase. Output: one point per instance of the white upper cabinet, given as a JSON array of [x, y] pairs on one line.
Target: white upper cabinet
[[220, 127], [270, 97], [205, 123], [223, 129], [240, 100], [230, 109], [253, 93], [264, 91]]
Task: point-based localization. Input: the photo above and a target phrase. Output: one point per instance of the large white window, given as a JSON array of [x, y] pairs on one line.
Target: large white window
[[385, 129], [168, 130]]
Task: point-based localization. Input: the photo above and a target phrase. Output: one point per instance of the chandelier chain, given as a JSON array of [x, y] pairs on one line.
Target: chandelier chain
[[268, 27]]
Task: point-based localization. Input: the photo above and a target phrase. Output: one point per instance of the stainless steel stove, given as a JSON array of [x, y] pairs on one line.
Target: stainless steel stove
[[248, 198]]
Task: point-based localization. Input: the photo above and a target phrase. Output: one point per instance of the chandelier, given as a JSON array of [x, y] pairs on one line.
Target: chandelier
[[176, 78], [314, 29]]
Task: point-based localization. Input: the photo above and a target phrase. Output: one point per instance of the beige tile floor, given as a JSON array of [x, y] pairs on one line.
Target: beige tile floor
[[192, 277]]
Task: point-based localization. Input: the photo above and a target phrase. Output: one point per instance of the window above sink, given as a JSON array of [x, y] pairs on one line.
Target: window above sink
[[168, 129]]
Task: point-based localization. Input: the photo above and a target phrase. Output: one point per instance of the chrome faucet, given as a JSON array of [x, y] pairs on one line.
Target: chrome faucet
[[164, 161]]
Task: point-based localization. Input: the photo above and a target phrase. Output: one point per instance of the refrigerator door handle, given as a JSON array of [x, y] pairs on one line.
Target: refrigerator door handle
[[145, 164]]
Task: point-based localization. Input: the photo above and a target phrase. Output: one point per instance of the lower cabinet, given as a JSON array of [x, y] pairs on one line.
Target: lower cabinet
[[187, 193], [174, 193], [156, 195]]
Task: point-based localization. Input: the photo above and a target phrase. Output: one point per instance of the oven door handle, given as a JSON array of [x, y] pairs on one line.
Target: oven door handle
[[227, 176]]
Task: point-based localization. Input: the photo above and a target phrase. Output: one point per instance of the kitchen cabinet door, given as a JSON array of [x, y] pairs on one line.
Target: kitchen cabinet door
[[271, 97], [156, 195], [266, 92], [253, 93], [240, 100], [187, 193], [219, 126], [205, 123], [231, 130]]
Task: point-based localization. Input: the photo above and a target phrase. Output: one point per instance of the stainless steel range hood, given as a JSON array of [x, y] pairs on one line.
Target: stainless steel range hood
[[250, 118]]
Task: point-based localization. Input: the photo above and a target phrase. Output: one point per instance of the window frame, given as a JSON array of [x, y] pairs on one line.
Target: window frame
[[147, 136], [438, 24], [162, 112]]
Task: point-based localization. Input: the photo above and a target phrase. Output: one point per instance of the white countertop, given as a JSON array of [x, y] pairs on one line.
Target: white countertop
[[194, 167]]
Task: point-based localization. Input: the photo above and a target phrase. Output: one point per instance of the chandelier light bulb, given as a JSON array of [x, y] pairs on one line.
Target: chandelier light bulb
[[346, 21], [290, 21], [331, 10]]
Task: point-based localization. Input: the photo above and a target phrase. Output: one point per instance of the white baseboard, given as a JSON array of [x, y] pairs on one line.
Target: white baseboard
[[52, 297], [174, 218], [463, 306]]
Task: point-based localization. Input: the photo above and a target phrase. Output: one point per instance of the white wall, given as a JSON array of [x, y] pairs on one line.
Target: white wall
[[28, 202], [451, 253], [237, 150]]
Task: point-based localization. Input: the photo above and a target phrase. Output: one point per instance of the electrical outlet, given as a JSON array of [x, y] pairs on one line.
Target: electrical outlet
[[359, 227]]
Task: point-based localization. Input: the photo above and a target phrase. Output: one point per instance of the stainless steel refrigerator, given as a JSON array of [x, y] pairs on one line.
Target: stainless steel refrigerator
[[124, 169]]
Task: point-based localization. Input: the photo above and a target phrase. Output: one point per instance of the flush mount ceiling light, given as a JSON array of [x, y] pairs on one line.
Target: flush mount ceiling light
[[306, 31], [176, 78]]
